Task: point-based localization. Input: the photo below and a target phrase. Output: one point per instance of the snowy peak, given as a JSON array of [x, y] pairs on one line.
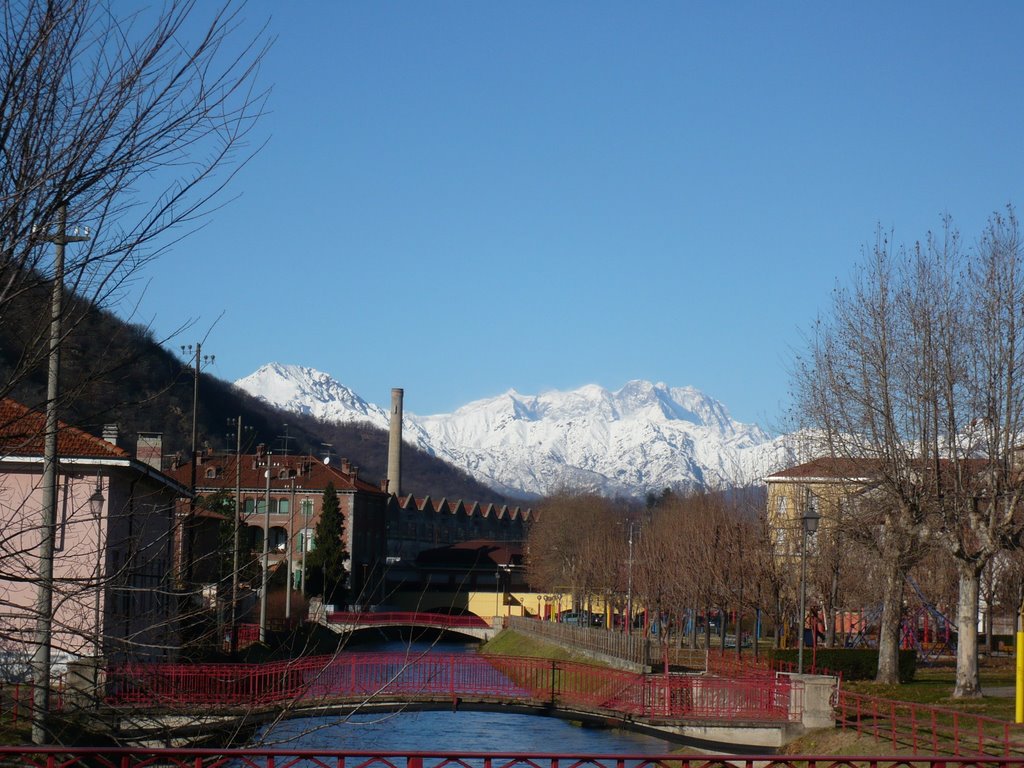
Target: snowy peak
[[301, 389], [642, 437]]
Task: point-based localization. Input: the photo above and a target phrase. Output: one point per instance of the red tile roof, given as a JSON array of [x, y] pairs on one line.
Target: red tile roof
[[828, 467], [309, 474], [22, 434], [835, 468]]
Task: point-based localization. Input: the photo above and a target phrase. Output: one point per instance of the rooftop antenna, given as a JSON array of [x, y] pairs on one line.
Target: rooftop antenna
[[328, 449]]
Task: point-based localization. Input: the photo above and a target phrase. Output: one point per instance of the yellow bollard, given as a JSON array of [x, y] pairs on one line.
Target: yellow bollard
[[1019, 709]]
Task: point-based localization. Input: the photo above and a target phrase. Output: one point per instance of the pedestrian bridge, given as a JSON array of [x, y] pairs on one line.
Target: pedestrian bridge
[[468, 625], [758, 710]]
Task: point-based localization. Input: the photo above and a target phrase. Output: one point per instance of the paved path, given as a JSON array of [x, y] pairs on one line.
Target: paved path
[[1000, 691]]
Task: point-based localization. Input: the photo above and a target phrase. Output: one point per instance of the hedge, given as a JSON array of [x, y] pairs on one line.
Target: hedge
[[852, 663]]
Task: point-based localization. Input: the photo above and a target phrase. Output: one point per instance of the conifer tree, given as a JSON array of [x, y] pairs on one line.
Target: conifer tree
[[325, 564]]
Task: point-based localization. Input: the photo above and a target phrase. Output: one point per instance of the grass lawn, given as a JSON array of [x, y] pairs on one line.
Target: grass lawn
[[933, 686], [511, 643]]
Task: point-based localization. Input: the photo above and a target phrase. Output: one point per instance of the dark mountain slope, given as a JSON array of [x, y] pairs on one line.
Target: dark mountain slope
[[113, 372]]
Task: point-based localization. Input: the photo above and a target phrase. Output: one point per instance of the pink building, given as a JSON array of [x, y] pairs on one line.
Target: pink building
[[112, 590]]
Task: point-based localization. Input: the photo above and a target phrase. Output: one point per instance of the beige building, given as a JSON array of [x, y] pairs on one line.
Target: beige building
[[828, 486]]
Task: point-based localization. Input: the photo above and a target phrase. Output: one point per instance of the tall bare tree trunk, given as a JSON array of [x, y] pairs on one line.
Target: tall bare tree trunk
[[832, 608], [892, 613], [968, 684]]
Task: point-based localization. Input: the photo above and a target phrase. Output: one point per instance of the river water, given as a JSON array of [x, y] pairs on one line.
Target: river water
[[447, 731]]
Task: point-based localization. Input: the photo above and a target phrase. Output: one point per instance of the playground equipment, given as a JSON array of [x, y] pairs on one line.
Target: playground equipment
[[924, 628]]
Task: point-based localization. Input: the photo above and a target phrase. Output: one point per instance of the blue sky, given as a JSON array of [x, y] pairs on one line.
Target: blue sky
[[459, 198]]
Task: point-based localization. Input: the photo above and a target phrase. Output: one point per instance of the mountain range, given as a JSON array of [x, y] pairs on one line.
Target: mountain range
[[639, 439]]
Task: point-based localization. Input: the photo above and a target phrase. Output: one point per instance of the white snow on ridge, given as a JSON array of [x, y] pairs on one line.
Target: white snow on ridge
[[642, 437]]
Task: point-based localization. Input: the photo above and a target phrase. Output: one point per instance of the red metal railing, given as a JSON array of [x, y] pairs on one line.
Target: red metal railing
[[16, 699], [112, 757], [358, 676], [403, 618], [928, 730]]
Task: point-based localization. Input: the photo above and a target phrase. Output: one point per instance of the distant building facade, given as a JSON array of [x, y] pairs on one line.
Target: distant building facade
[[294, 488], [384, 533], [417, 524]]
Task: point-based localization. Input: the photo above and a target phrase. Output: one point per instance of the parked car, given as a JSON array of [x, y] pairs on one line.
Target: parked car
[[581, 618]]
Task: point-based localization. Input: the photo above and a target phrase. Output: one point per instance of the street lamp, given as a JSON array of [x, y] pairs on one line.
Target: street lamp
[[629, 584], [809, 524], [95, 502]]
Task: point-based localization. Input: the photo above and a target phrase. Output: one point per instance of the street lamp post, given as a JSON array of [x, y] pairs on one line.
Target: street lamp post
[[629, 584], [305, 542], [95, 502], [809, 524]]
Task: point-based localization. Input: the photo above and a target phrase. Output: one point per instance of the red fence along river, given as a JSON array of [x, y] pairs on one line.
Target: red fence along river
[[110, 757]]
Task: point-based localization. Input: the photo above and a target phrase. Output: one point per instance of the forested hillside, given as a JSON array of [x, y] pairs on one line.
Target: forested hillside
[[116, 373]]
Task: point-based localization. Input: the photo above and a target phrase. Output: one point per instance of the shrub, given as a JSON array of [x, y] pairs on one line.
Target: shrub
[[852, 663]]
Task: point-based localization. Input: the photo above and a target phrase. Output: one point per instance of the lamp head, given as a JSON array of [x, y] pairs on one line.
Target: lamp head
[[96, 501], [811, 516]]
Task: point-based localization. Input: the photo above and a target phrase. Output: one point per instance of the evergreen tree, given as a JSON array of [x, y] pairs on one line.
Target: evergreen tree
[[325, 564]]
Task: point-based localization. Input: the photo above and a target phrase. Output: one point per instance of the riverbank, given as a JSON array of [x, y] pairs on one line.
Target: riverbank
[[932, 687], [508, 642]]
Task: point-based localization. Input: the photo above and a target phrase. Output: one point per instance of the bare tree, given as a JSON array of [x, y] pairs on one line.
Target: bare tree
[[118, 128], [915, 379], [574, 544], [132, 120]]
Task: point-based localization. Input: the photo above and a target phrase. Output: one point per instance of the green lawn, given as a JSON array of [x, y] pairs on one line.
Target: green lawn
[[511, 643], [933, 686]]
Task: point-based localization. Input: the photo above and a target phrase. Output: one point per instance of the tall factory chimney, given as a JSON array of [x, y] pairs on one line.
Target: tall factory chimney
[[395, 443]]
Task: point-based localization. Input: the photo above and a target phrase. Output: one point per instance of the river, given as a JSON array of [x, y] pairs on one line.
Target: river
[[447, 731]]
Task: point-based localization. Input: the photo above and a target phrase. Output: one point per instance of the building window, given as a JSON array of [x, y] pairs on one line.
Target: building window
[[211, 473], [278, 539], [277, 506], [305, 540], [780, 509], [306, 505]]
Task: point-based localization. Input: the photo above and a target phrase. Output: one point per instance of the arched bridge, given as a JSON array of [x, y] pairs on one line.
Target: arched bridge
[[469, 624], [677, 705]]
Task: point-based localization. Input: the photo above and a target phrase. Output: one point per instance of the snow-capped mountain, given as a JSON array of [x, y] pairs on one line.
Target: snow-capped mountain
[[642, 437]]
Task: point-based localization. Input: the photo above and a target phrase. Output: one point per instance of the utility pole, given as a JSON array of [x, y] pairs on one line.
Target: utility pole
[[186, 531], [266, 557], [237, 537], [288, 552], [48, 522]]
